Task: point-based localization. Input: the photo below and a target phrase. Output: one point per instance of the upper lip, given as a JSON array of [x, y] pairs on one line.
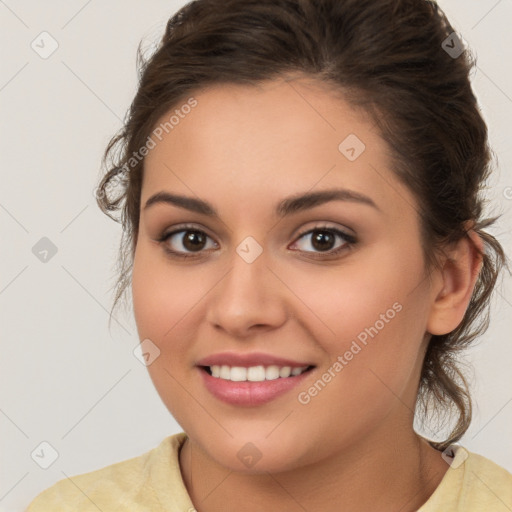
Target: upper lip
[[248, 360]]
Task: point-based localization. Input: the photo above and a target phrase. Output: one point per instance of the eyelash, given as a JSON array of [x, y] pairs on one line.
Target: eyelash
[[349, 240]]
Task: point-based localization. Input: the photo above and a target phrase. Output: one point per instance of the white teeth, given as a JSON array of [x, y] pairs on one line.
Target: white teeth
[[254, 373], [272, 373], [285, 371], [225, 372], [238, 374]]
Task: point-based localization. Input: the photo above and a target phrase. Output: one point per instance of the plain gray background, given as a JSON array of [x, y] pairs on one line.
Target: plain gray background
[[66, 379]]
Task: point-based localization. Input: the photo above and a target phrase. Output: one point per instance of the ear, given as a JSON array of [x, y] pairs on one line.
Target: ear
[[453, 286]]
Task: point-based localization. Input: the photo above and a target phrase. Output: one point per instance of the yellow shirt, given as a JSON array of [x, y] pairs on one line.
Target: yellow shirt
[[152, 483]]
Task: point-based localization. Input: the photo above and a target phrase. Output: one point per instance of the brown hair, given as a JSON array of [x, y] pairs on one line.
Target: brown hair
[[388, 57]]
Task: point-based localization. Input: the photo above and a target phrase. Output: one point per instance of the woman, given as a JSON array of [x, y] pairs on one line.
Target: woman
[[299, 183]]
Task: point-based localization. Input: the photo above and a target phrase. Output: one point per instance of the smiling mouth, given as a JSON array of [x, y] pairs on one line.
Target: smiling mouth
[[258, 373]]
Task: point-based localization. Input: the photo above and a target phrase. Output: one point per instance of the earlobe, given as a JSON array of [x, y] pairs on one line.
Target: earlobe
[[458, 277]]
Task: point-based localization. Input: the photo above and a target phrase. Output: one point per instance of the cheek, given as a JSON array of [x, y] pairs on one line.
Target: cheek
[[169, 305], [355, 300], [372, 315], [163, 295], [163, 301]]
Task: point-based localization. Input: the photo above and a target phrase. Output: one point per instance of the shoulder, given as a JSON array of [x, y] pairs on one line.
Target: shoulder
[[472, 483], [129, 483], [487, 486]]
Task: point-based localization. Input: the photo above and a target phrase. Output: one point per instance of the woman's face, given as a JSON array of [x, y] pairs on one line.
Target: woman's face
[[332, 283]]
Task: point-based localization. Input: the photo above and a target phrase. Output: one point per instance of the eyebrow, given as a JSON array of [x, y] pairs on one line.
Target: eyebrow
[[290, 205]]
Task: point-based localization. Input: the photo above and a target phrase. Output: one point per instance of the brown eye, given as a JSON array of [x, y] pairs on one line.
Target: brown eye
[[194, 240], [323, 240], [185, 242], [188, 241]]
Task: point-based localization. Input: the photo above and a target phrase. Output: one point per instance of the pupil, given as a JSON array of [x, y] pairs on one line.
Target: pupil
[[322, 240], [193, 240]]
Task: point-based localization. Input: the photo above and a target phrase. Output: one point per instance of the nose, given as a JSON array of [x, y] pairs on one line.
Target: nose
[[249, 299]]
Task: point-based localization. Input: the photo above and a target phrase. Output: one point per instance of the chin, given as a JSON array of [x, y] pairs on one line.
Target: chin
[[254, 454]]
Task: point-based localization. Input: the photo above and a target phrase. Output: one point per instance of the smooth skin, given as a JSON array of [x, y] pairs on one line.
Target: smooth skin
[[352, 447]]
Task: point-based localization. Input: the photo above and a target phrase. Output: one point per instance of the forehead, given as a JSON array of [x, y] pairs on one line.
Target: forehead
[[274, 139]]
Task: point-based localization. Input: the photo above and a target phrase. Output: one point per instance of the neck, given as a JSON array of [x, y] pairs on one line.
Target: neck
[[391, 471]]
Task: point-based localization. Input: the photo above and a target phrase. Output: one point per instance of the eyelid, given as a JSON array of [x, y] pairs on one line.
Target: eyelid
[[184, 227], [198, 227], [327, 226]]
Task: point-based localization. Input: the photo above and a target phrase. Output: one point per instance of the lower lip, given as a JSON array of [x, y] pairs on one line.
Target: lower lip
[[250, 393]]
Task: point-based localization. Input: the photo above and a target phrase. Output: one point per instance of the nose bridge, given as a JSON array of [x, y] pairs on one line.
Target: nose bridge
[[246, 296], [248, 266]]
